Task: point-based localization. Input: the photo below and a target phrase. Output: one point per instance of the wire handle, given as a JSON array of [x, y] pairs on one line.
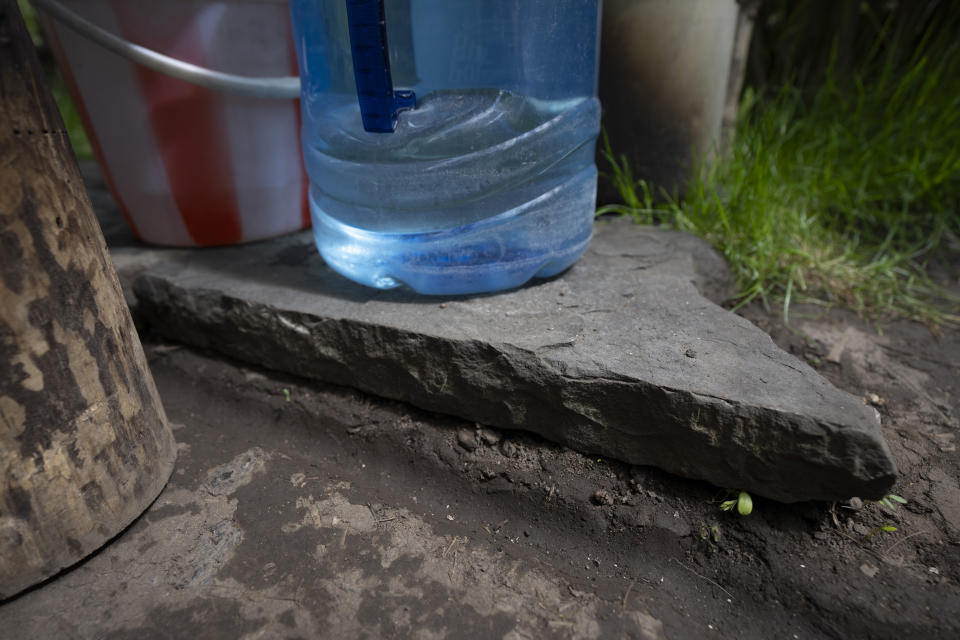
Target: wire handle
[[282, 88]]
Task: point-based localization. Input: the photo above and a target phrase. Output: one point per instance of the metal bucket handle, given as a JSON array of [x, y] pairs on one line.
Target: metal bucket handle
[[285, 88]]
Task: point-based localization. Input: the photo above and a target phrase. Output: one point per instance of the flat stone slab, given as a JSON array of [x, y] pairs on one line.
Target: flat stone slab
[[621, 356]]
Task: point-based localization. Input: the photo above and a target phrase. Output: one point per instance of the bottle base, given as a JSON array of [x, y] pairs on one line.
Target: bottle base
[[538, 239]]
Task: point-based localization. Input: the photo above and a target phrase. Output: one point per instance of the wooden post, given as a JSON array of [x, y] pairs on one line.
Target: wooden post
[[84, 442], [746, 15], [664, 69]]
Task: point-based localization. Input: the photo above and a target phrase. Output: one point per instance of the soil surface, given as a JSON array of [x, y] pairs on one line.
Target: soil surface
[[303, 510]]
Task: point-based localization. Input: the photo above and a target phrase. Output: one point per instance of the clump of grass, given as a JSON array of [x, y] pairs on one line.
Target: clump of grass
[[839, 195], [68, 111]]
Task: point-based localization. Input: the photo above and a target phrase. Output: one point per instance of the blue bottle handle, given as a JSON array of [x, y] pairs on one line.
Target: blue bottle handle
[[379, 103]]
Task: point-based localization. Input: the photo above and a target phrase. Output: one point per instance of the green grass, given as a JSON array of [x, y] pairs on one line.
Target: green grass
[[71, 118], [68, 111], [836, 195]]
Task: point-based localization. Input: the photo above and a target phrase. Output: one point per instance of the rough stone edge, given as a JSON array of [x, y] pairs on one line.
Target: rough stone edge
[[319, 348]]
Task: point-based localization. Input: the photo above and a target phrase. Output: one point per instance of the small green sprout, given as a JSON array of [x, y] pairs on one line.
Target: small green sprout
[[286, 394], [887, 528], [710, 536], [743, 502], [889, 500], [711, 533]]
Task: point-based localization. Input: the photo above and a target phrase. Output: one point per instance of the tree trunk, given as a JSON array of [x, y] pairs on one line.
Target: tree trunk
[[84, 442]]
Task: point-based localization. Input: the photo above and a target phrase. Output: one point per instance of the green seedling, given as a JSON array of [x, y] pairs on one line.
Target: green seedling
[[710, 535], [743, 503], [887, 528], [286, 394], [890, 501]]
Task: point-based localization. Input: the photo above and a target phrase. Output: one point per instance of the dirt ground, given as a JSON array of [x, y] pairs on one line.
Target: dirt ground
[[858, 580], [302, 510]]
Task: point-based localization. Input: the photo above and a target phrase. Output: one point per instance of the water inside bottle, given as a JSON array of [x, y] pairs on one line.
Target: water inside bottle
[[469, 178]]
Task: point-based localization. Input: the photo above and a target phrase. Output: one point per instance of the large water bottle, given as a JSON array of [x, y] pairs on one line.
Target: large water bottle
[[449, 143]]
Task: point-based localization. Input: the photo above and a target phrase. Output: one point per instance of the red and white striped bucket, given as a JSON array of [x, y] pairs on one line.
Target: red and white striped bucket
[[188, 165]]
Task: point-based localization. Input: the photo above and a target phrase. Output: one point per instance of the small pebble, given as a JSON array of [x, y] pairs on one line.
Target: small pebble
[[601, 498], [467, 439], [508, 449], [488, 436], [690, 353]]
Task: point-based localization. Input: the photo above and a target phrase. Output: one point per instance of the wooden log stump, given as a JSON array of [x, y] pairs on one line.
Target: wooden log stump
[[84, 442]]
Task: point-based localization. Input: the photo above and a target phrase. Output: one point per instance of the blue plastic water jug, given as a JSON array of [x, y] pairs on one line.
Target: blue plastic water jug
[[449, 143]]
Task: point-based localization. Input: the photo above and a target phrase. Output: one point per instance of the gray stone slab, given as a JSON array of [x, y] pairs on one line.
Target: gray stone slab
[[621, 356]]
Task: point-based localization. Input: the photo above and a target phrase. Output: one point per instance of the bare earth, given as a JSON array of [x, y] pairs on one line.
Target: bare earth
[[303, 510]]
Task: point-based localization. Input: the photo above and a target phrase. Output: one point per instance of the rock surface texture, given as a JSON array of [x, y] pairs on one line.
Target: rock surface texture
[[623, 356]]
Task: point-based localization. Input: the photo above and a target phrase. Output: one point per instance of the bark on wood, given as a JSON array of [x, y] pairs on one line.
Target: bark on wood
[[84, 443]]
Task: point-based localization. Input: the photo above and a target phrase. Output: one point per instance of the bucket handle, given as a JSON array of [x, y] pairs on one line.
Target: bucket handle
[[285, 88]]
